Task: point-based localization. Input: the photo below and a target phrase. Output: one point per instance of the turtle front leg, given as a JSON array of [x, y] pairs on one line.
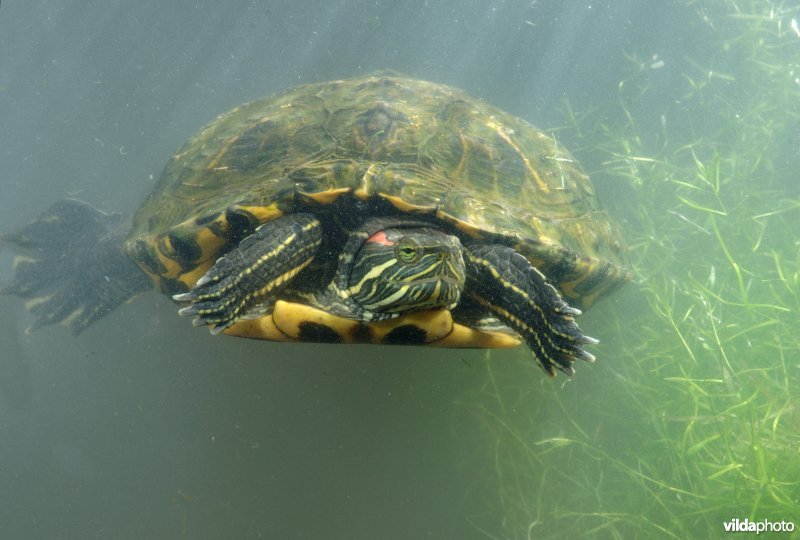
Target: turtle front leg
[[249, 277], [505, 283]]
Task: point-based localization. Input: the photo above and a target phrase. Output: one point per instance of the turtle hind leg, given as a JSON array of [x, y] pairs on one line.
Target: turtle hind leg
[[71, 267], [245, 282], [505, 283]]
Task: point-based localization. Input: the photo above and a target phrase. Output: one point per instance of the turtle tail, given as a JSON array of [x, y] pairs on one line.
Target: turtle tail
[[70, 266]]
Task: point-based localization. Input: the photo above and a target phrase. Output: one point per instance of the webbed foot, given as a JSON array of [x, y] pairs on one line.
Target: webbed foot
[[244, 282], [505, 283], [71, 266]]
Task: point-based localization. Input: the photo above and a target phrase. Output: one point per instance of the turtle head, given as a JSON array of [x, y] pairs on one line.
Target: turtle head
[[398, 270]]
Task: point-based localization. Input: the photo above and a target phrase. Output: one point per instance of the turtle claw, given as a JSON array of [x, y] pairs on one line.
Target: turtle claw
[[203, 280], [250, 275], [586, 356], [204, 299], [189, 310], [214, 330], [184, 297], [505, 283], [569, 310]]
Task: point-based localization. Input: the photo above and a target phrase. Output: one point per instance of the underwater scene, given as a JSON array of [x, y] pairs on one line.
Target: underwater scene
[[684, 114]]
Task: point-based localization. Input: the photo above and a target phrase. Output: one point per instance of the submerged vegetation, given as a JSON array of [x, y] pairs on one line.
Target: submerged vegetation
[[692, 416]]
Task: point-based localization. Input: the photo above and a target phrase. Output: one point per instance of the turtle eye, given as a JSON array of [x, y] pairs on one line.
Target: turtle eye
[[407, 252]]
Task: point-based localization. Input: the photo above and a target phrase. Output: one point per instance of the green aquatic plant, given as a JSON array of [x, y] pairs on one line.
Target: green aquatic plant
[[692, 418]]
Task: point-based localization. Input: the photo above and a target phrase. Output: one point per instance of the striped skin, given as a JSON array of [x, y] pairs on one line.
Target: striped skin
[[505, 283], [421, 146], [344, 151], [250, 276], [383, 273], [390, 267]]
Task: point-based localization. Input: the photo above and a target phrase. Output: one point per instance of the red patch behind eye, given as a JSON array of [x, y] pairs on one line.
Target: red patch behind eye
[[380, 238]]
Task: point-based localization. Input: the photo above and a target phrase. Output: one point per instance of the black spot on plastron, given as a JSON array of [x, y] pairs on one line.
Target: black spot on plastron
[[406, 335], [318, 333], [362, 334]]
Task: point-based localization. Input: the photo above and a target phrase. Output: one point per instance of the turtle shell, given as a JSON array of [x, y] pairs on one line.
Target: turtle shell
[[414, 146]]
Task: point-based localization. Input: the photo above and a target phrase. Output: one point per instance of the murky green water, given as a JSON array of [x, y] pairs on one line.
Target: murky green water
[[685, 114]]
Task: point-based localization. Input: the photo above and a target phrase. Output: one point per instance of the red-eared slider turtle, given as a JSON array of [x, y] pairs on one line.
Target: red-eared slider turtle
[[380, 209]]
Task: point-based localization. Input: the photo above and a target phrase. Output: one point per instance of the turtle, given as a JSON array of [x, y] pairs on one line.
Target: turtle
[[377, 209]]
